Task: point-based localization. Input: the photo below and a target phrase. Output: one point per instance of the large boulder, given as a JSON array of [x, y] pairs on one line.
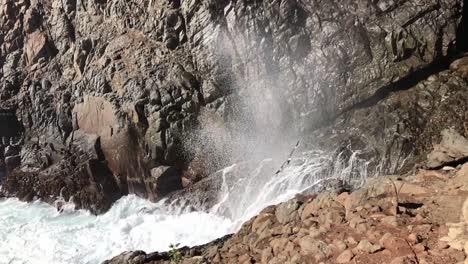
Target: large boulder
[[89, 185], [97, 116], [452, 148]]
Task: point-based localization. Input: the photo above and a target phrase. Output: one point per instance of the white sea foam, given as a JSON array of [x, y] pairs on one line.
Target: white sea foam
[[35, 233]]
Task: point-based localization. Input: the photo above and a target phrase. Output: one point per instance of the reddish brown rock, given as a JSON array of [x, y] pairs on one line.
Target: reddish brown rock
[[37, 47], [345, 257]]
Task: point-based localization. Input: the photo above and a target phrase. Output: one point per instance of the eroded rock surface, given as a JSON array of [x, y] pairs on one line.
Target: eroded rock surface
[[127, 84]]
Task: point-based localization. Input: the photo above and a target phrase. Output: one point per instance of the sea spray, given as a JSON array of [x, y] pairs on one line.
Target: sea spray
[[37, 233]]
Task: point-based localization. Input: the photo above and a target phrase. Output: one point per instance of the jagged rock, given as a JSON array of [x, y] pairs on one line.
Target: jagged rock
[[461, 67], [366, 246], [12, 162], [91, 185], [164, 180], [405, 260], [313, 246], [114, 129], [452, 148], [345, 257], [11, 151], [135, 257], [88, 143], [287, 211], [10, 127], [36, 47]]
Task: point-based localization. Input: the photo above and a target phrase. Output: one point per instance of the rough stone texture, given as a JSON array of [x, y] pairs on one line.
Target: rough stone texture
[[424, 218], [131, 78], [164, 180], [452, 148], [400, 128], [345, 257], [366, 246], [286, 212]]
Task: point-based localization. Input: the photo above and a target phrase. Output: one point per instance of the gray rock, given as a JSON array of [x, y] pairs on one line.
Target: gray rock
[[345, 257], [134, 257], [12, 151], [312, 246], [164, 180], [453, 147], [286, 212], [368, 247], [12, 162]]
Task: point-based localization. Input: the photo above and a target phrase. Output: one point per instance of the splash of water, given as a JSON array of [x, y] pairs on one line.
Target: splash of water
[[37, 233]]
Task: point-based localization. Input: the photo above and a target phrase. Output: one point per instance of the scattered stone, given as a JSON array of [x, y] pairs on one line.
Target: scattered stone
[[441, 245], [414, 238], [351, 241], [261, 222], [355, 221], [345, 257], [390, 220], [278, 245], [316, 232], [314, 247], [419, 248], [405, 260], [460, 66], [393, 243], [286, 212], [368, 247], [340, 245], [267, 254]]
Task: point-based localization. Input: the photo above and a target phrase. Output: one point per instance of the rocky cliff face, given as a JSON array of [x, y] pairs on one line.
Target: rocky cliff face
[[105, 98]]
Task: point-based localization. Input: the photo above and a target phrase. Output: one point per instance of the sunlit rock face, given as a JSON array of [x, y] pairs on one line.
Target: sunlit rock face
[[136, 87]]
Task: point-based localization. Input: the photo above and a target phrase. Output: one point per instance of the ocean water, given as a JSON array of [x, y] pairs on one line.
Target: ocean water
[[35, 233]]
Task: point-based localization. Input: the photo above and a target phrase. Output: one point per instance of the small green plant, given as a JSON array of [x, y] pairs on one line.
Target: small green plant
[[175, 256]]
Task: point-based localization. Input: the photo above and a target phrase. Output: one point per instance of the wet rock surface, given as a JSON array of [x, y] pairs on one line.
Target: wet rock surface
[[125, 85]]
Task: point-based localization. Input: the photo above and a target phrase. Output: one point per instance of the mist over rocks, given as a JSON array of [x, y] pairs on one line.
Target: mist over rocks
[[113, 90]]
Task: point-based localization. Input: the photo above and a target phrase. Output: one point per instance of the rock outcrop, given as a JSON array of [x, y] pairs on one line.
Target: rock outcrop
[[452, 149], [127, 86]]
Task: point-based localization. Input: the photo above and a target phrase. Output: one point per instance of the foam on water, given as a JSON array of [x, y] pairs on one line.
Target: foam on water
[[37, 233]]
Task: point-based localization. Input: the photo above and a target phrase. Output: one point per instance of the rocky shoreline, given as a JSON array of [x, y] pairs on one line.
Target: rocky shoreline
[[101, 99], [419, 217]]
